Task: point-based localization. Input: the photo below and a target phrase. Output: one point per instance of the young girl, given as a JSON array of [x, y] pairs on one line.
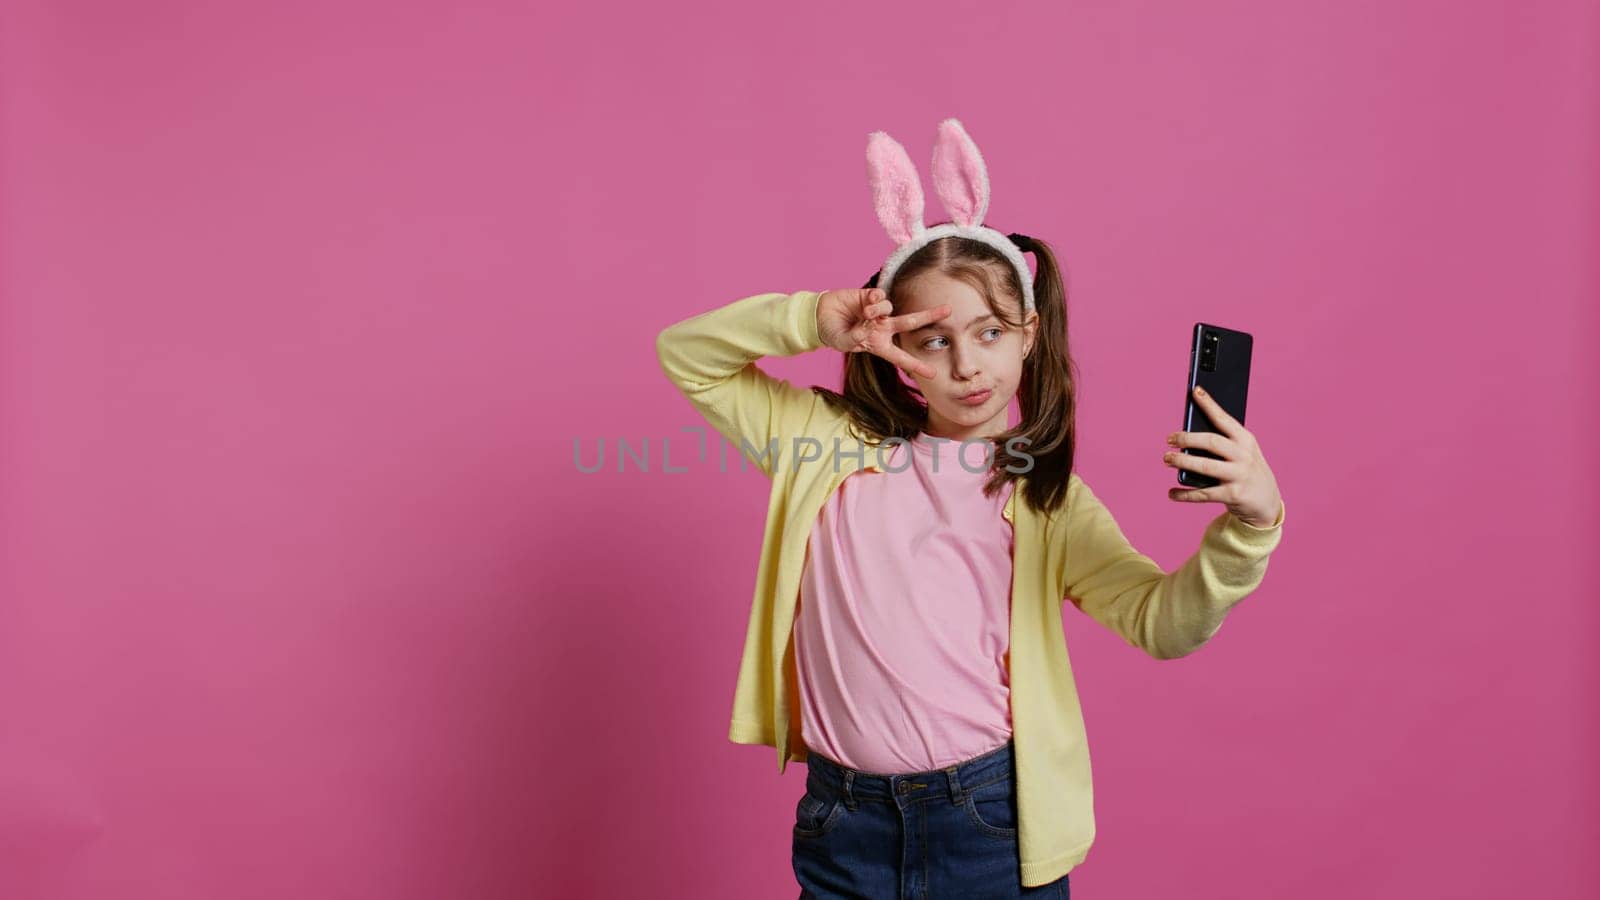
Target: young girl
[[917, 553]]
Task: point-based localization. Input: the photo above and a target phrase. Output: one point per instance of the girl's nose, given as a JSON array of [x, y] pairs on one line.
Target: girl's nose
[[965, 364]]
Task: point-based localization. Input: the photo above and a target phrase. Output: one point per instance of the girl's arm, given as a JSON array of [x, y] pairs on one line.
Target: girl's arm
[[711, 358], [1167, 615]]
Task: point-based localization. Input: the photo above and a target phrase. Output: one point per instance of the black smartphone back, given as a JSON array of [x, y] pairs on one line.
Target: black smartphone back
[[1219, 361]]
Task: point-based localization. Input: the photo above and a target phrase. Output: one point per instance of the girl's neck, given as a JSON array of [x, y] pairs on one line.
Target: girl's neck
[[989, 431]]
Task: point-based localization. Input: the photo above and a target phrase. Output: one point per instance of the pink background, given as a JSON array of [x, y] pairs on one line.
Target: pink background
[[303, 307]]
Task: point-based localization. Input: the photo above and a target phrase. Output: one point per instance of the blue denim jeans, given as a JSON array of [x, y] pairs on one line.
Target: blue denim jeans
[[947, 834]]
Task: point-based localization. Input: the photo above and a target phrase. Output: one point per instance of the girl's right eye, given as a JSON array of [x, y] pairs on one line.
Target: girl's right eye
[[926, 343]]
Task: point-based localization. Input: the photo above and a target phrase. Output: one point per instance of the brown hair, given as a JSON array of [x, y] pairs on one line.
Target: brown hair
[[881, 404]]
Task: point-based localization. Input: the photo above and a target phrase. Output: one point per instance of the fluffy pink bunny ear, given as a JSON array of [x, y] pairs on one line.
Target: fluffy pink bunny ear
[[896, 187], [959, 176]]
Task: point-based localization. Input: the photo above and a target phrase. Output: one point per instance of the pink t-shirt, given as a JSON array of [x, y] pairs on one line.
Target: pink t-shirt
[[902, 636]]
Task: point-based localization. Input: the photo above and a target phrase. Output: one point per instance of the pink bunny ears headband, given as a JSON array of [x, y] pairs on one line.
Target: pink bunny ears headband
[[962, 182]]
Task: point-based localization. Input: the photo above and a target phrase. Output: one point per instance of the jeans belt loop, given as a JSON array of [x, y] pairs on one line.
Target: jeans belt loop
[[956, 795], [849, 789]]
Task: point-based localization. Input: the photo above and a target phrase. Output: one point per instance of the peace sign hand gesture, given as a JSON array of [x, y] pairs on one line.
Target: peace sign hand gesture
[[858, 320], [1245, 483]]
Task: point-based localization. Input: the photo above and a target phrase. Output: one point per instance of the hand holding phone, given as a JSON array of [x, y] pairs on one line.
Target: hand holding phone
[[1219, 362]]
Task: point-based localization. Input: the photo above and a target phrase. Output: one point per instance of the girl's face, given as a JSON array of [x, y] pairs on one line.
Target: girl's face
[[976, 356]]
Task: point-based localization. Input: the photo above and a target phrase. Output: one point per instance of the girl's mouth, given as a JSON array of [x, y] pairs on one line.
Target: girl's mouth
[[977, 399]]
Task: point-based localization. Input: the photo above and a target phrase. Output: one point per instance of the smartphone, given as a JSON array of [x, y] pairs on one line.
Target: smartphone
[[1219, 361]]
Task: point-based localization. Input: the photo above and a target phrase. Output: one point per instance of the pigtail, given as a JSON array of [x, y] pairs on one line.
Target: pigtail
[[1047, 392]]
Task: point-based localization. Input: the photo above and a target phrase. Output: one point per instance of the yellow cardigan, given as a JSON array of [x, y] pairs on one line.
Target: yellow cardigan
[[1079, 553]]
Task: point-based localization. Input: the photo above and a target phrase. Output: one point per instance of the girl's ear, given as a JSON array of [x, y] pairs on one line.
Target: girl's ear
[[896, 187], [960, 177]]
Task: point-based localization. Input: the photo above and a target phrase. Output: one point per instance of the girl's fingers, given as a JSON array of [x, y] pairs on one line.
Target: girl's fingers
[[1209, 441], [869, 316], [877, 321], [919, 319], [1219, 417], [881, 308], [905, 360], [1219, 469]]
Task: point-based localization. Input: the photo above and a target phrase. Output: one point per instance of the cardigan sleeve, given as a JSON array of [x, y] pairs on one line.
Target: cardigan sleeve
[[1165, 614], [711, 359]]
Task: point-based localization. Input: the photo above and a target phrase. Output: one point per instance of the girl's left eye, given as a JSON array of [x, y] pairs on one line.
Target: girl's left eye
[[929, 343]]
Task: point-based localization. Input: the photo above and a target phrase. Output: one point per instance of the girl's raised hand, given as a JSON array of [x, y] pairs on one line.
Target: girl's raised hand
[[1245, 483], [857, 320]]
